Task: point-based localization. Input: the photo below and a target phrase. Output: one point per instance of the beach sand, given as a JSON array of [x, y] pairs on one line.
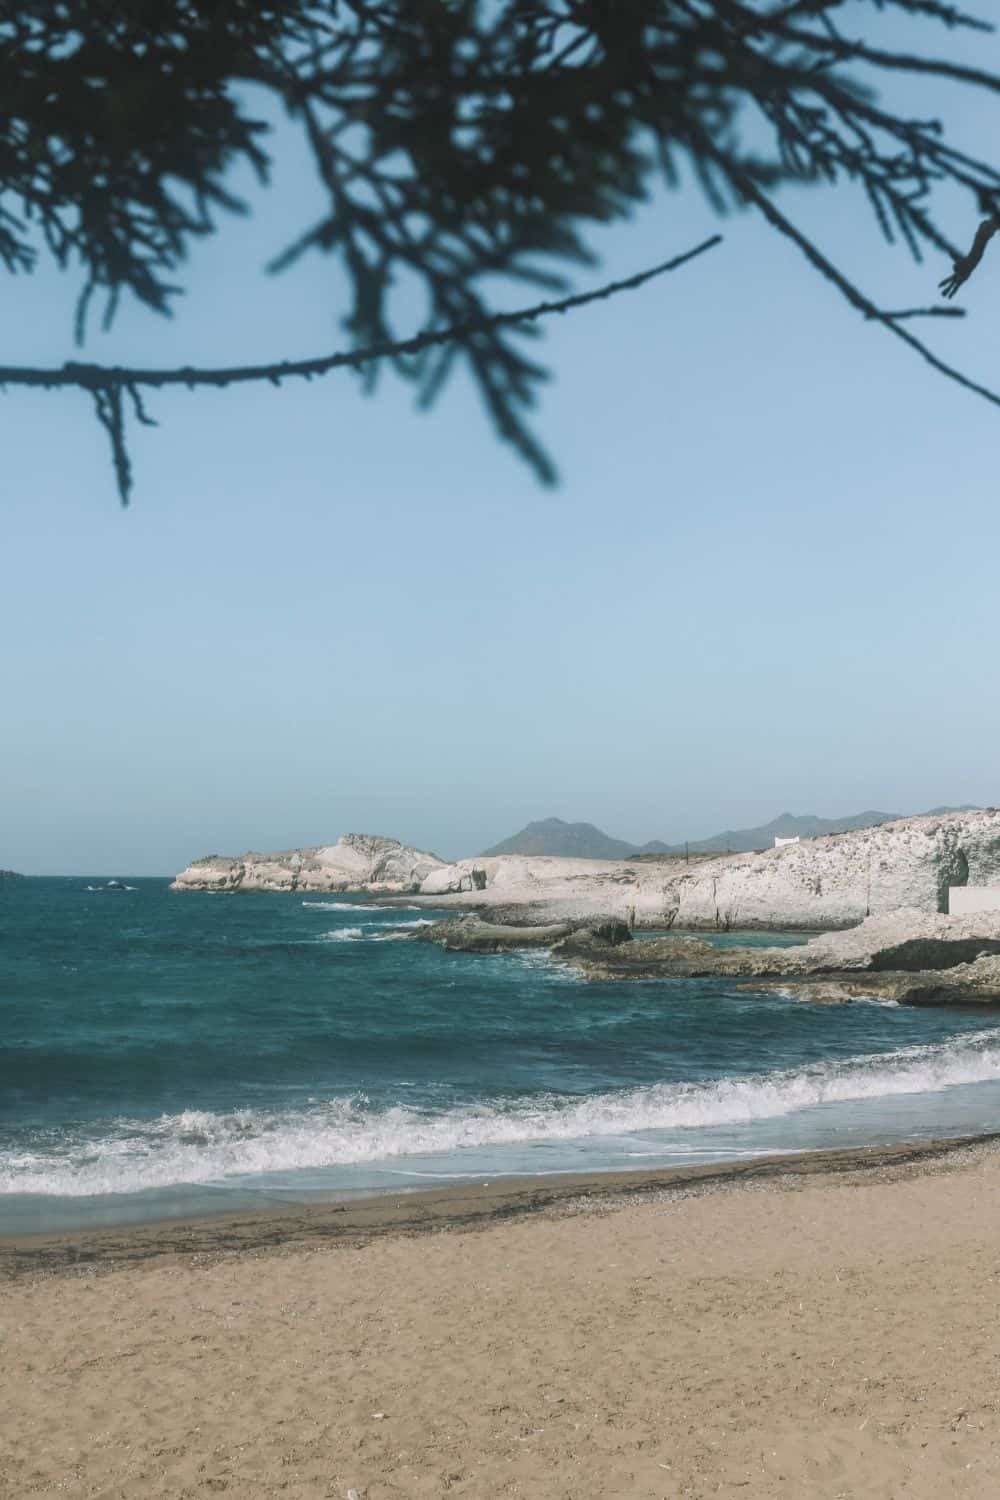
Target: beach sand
[[824, 1328]]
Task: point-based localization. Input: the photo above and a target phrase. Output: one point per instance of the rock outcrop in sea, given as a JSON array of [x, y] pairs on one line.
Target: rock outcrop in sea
[[909, 957], [470, 934], [356, 862], [905, 942]]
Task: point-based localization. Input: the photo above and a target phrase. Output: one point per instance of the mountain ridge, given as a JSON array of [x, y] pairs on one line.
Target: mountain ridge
[[566, 840], [556, 838]]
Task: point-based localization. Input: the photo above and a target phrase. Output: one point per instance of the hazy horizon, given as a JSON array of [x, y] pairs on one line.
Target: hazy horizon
[[766, 581], [456, 852]]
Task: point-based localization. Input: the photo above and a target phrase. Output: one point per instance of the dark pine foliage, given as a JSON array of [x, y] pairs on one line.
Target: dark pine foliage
[[458, 143]]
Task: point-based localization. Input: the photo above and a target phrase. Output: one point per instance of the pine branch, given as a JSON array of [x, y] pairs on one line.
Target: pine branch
[[453, 144], [749, 190], [109, 383]]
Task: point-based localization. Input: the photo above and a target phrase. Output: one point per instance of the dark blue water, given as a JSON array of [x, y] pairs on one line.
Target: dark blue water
[[161, 1052]]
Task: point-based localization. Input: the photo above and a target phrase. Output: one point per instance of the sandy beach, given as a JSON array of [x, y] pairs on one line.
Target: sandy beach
[[826, 1327]]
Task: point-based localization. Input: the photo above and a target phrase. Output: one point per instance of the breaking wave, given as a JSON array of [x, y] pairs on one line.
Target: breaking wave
[[879, 1001], [202, 1147], [356, 906], [341, 905], [380, 932]]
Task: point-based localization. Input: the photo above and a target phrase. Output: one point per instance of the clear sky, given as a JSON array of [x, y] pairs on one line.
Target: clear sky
[[767, 581]]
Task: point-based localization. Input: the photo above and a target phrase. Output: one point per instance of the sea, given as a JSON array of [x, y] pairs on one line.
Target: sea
[[166, 1054]]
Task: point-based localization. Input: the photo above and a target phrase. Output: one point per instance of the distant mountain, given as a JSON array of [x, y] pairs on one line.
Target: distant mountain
[[571, 840], [584, 841], [790, 826], [785, 826]]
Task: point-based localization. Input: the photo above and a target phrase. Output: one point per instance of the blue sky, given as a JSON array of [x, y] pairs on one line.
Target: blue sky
[[767, 581]]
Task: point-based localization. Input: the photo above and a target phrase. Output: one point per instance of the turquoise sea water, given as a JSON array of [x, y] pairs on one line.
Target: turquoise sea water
[[164, 1053]]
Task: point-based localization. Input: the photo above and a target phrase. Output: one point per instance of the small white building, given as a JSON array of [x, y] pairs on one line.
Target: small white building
[[965, 900], [780, 843]]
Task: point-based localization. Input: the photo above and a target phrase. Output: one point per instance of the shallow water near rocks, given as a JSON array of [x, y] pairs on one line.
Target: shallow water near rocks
[[164, 1054]]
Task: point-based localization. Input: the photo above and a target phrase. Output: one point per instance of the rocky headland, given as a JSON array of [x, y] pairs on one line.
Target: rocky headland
[[877, 896], [834, 881], [361, 862]]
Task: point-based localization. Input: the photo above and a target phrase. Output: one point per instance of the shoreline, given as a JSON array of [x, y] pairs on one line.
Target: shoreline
[[472, 1206], [828, 1331]]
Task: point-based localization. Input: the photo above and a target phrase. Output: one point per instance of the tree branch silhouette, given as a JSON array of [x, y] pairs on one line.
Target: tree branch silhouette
[[108, 384], [966, 264], [458, 144], [849, 291]]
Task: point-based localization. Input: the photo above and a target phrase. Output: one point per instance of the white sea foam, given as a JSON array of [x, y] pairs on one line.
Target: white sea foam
[[372, 932], [201, 1147], [399, 931], [879, 1001], [357, 906], [542, 961], [342, 905]]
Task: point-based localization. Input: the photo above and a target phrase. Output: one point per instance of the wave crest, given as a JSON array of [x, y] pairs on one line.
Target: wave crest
[[358, 906], [198, 1146]]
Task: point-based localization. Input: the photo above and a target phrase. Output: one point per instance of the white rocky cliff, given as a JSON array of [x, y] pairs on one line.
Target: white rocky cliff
[[356, 862], [833, 881]]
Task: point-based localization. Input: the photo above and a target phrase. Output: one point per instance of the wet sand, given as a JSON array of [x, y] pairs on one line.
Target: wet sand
[[814, 1326]]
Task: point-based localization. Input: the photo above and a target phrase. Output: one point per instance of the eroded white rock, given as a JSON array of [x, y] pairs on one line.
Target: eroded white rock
[[829, 882], [356, 862], [834, 881]]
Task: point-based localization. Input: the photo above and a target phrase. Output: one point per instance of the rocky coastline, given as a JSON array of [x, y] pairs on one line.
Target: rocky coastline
[[831, 882], [908, 957], [876, 898]]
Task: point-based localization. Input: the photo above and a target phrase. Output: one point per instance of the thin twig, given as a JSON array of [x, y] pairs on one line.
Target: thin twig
[[924, 312], [108, 384], [92, 377], [749, 190]]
